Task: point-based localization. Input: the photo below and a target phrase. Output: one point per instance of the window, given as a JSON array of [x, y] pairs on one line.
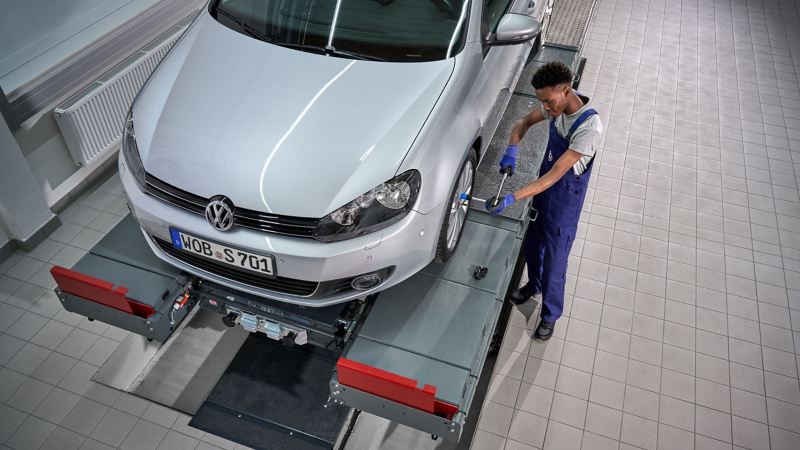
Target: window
[[493, 11], [391, 30]]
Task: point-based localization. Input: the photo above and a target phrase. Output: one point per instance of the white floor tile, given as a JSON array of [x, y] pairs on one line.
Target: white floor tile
[[114, 427], [639, 432], [10, 420], [31, 434]]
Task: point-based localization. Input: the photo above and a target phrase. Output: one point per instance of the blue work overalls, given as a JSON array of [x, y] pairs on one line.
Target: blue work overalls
[[549, 237]]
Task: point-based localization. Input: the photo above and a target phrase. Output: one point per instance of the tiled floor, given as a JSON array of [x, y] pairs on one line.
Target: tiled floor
[[48, 355], [682, 327], [683, 321]]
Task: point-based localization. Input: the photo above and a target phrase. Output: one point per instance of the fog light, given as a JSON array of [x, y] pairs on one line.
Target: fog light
[[365, 282]]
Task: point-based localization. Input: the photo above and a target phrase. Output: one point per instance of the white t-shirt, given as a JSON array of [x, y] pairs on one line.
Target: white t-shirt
[[584, 139]]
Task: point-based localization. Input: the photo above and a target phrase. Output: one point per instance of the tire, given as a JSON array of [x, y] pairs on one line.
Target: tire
[[456, 214]]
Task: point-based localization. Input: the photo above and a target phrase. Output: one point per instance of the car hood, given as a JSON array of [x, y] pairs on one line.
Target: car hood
[[275, 129]]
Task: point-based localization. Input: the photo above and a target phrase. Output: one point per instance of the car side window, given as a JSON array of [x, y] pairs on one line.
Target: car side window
[[493, 11]]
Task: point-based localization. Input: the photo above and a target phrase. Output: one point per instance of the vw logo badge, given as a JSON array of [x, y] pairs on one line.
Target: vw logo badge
[[219, 213]]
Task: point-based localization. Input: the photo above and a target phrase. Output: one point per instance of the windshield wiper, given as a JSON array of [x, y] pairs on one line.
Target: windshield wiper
[[252, 31], [355, 55], [304, 47], [330, 51], [245, 27]]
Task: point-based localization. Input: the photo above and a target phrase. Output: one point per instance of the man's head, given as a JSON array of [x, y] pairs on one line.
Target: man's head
[[553, 84]]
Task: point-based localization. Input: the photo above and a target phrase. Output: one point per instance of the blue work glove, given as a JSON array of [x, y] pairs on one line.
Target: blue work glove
[[504, 203], [509, 160]]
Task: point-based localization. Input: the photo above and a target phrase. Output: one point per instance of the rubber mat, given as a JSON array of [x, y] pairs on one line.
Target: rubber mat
[[273, 397]]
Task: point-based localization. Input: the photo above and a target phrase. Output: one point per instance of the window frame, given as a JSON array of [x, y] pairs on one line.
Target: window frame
[[484, 26]]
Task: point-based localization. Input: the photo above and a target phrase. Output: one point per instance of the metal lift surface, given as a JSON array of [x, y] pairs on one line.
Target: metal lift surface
[[418, 356]]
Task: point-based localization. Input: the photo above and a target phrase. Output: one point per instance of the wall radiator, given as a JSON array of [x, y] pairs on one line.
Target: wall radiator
[[91, 121]]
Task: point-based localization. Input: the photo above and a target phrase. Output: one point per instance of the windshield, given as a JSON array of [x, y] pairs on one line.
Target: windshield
[[386, 30]]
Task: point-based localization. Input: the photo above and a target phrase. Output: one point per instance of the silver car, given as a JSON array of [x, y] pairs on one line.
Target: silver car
[[317, 151]]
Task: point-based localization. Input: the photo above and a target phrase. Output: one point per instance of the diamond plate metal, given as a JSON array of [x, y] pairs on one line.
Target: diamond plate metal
[[568, 22]]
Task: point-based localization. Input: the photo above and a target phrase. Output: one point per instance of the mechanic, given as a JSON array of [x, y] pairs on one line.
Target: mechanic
[[559, 191]]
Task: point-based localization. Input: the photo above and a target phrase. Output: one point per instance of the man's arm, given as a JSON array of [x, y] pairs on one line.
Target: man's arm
[[562, 165], [523, 124]]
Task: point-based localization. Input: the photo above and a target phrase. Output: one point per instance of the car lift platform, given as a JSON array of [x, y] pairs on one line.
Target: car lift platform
[[412, 354], [417, 354]]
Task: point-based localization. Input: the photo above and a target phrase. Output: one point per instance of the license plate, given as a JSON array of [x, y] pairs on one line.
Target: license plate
[[264, 265]]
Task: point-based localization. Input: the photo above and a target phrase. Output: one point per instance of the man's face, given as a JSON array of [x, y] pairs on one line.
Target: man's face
[[554, 98]]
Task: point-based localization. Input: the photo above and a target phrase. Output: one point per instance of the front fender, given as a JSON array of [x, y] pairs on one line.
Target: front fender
[[447, 136]]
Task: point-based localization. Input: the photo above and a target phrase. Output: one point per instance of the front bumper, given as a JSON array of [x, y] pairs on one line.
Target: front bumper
[[406, 247]]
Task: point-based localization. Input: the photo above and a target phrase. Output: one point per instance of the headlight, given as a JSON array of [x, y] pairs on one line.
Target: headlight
[[372, 211], [131, 151]]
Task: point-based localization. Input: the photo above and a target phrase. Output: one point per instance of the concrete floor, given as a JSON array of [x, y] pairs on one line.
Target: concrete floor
[[682, 323]]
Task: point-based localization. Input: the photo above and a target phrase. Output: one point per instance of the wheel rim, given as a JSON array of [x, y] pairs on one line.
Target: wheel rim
[[459, 207]]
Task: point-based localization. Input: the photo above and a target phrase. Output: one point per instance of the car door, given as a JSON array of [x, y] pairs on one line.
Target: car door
[[501, 64]]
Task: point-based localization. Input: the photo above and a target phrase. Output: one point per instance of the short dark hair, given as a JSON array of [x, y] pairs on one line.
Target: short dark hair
[[551, 74]]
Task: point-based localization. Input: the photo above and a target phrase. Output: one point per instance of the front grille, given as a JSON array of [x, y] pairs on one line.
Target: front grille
[[278, 284], [182, 199], [247, 218]]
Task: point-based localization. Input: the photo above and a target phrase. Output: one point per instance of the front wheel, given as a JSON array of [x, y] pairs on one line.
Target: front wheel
[[456, 215]]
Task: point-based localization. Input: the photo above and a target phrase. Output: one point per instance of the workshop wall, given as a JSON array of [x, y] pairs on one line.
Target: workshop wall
[[24, 212], [46, 152], [36, 35], [35, 49]]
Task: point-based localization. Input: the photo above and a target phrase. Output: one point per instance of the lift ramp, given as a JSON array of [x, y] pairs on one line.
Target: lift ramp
[[415, 354], [417, 357]]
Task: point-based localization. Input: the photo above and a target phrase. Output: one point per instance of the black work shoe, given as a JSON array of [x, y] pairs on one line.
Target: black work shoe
[[544, 331], [521, 295]]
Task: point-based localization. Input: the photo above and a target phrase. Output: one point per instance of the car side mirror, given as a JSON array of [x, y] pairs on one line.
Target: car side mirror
[[515, 29]]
